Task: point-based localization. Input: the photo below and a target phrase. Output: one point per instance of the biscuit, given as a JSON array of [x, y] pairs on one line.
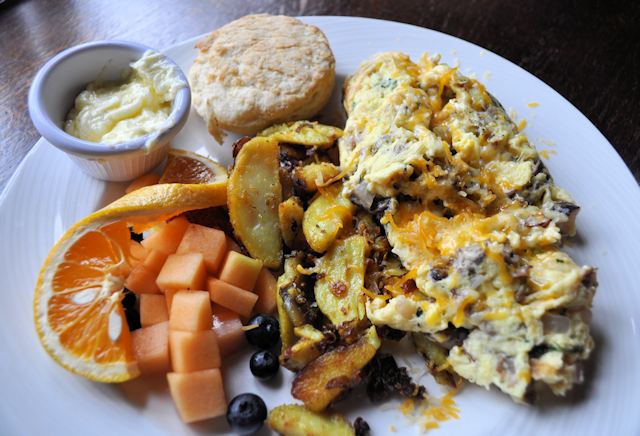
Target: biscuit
[[260, 70]]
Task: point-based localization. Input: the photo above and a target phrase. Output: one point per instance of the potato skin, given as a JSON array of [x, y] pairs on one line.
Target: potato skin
[[334, 372], [253, 195], [296, 420]]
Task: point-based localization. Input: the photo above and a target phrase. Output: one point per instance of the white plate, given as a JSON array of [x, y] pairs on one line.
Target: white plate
[[47, 194]]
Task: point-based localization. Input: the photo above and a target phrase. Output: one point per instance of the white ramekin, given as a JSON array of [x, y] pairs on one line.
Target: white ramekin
[[64, 76]]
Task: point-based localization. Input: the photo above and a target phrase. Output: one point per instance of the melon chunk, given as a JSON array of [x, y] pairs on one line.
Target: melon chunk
[[190, 311], [167, 238], [154, 260], [265, 289], [141, 280], [142, 181], [153, 309], [231, 297], [228, 329], [169, 294], [240, 270], [198, 395], [151, 348], [223, 312], [182, 271], [193, 351], [211, 243]]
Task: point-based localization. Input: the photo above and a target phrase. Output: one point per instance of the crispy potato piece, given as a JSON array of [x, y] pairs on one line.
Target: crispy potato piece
[[290, 213], [287, 336], [300, 354], [308, 177], [307, 133], [305, 350], [308, 331], [325, 217], [296, 420], [333, 373], [435, 356], [253, 195], [338, 289]]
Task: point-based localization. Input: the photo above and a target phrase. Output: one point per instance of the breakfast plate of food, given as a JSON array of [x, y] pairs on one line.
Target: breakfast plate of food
[[324, 225]]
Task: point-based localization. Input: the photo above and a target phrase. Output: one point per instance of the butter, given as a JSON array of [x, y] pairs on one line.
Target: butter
[[111, 113]]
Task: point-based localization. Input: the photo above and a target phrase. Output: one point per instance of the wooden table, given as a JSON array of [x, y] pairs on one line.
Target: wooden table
[[588, 50]]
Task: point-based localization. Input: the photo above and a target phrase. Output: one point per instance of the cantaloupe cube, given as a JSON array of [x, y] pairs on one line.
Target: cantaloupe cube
[[151, 348], [169, 294], [190, 311], [240, 270], [231, 297], [153, 309], [138, 252], [154, 260], [167, 238], [142, 181], [193, 351], [198, 395], [265, 289], [183, 271], [141, 280], [222, 312], [212, 243], [228, 329]]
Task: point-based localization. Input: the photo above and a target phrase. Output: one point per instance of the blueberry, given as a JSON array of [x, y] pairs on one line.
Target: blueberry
[[129, 299], [267, 333], [246, 413], [135, 236], [264, 364], [133, 318]]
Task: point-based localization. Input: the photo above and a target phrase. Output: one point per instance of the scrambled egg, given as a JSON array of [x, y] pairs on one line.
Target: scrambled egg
[[475, 218]]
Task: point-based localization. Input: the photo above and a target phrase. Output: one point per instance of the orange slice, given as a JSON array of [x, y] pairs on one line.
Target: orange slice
[[188, 167], [77, 310]]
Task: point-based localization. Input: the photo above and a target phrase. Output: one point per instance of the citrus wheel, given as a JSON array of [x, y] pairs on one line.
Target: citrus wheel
[[77, 304], [187, 167]]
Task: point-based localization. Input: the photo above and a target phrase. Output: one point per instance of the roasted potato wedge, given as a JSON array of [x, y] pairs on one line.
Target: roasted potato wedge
[[290, 213], [307, 133], [334, 372], [305, 350], [309, 332], [309, 177], [253, 195], [325, 217], [287, 336], [338, 289], [296, 420]]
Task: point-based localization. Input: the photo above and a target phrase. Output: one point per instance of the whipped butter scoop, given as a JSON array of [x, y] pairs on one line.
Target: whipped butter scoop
[[110, 113]]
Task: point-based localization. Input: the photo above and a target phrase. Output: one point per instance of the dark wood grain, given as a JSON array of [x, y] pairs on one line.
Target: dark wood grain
[[589, 50]]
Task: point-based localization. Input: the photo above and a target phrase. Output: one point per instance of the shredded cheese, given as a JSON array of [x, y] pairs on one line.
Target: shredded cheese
[[522, 124], [430, 412]]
